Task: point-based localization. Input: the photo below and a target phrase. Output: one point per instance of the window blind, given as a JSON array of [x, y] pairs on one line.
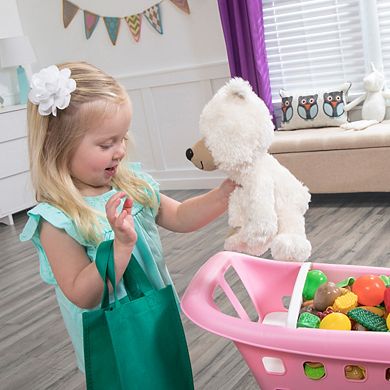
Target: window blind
[[314, 43], [384, 29]]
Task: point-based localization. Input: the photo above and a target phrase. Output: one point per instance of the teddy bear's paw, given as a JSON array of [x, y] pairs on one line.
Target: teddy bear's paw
[[255, 244], [290, 247], [256, 250], [260, 231], [236, 245], [233, 243], [266, 229]]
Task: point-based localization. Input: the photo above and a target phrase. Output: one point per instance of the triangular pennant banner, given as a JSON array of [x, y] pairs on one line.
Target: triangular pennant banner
[[153, 16], [112, 25], [182, 4], [134, 23], [90, 22], [69, 10]]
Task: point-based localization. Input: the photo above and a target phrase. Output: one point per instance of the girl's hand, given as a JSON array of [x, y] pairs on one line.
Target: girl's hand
[[226, 188], [122, 224], [125, 235]]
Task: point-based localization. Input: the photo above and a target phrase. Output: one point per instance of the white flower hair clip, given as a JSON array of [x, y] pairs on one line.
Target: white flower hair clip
[[51, 89]]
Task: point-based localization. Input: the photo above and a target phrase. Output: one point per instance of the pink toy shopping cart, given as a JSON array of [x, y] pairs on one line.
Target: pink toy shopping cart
[[274, 349]]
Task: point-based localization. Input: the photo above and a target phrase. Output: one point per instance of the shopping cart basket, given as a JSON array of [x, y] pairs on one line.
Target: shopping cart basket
[[274, 349]]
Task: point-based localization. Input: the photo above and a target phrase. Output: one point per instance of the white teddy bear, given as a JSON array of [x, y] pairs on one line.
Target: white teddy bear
[[267, 208], [374, 101]]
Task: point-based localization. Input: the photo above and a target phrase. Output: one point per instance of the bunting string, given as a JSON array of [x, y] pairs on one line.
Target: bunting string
[[112, 23]]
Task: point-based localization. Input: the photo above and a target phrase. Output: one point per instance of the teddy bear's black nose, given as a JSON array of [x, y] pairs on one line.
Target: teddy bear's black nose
[[189, 154]]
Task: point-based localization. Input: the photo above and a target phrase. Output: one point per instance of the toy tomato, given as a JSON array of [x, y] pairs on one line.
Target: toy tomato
[[370, 290]]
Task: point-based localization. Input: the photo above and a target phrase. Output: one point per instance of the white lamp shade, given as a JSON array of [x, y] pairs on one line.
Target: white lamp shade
[[16, 51]]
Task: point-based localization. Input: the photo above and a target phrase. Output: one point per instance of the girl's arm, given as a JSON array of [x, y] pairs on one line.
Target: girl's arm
[[195, 212], [78, 277]]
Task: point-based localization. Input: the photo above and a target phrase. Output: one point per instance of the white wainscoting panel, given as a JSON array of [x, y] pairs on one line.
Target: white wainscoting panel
[[167, 106]]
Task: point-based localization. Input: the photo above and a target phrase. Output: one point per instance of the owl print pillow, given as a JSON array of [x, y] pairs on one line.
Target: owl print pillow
[[316, 108]]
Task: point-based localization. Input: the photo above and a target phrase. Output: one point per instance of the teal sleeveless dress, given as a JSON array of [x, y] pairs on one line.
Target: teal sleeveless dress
[[148, 251]]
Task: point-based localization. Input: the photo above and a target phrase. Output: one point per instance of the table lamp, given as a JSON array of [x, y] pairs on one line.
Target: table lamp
[[16, 52]]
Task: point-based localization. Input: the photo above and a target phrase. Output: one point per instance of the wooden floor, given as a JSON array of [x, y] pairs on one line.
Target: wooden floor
[[35, 352]]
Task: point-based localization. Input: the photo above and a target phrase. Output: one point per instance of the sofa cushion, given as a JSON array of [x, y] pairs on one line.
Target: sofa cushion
[[331, 138]]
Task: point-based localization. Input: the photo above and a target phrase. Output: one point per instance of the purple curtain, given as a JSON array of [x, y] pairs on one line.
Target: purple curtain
[[243, 28]]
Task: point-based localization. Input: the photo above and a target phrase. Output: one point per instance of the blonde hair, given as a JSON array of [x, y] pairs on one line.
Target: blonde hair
[[53, 139]]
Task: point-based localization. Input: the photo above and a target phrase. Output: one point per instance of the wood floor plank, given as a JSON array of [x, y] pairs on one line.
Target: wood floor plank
[[36, 353]]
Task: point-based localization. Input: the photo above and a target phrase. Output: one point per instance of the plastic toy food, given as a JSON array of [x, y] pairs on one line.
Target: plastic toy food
[[358, 327], [346, 282], [345, 302], [334, 303], [373, 309], [388, 322], [369, 320], [386, 280], [323, 314], [314, 370], [370, 290], [336, 321], [387, 299], [314, 279], [325, 295], [308, 320], [275, 333], [354, 372]]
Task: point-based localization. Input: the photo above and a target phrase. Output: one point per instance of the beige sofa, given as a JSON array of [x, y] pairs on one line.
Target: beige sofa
[[333, 160]]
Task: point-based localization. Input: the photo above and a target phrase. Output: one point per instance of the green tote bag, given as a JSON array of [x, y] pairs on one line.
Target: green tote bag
[[136, 342]]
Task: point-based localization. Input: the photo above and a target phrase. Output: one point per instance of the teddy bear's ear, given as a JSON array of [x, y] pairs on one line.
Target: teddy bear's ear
[[346, 86], [238, 87]]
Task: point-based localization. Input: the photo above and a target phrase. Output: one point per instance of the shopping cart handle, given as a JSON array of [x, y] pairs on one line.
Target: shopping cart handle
[[199, 306]]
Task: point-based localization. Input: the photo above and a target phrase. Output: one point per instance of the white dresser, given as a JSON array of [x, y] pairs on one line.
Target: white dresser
[[16, 192]]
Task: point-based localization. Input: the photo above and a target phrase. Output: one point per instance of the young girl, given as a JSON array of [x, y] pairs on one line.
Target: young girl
[[78, 119]]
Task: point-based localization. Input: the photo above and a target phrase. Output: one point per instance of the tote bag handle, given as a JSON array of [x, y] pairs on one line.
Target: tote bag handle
[[135, 280], [105, 264]]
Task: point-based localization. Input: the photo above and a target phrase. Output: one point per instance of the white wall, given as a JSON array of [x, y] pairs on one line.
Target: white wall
[[9, 19], [188, 40], [10, 25], [169, 77]]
